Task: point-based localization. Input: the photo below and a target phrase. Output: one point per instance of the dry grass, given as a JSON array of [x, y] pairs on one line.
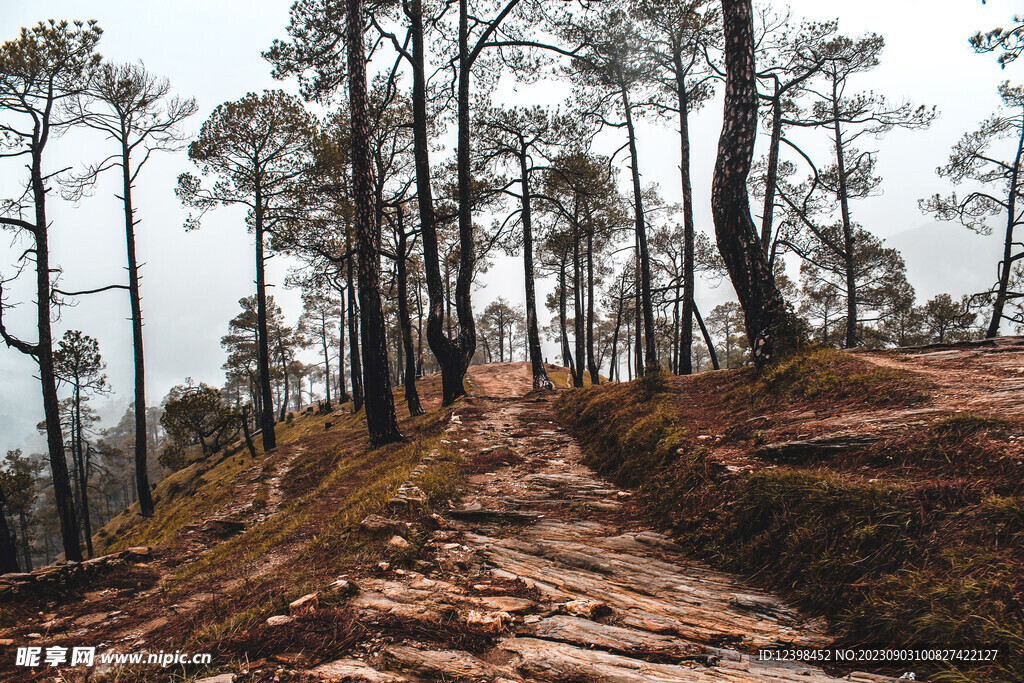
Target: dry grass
[[887, 557]]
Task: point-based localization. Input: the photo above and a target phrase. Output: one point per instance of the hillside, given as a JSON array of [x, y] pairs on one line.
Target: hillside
[[485, 548]]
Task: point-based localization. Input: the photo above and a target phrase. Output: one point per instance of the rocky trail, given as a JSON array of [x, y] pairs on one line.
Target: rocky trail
[[546, 555]]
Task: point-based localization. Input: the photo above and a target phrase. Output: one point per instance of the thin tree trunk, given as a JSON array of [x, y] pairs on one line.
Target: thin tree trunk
[[412, 397], [141, 473], [1008, 261], [267, 399], [638, 323], [736, 234], [44, 356], [284, 372], [849, 246], [380, 402], [8, 543], [684, 364], [707, 338], [595, 377], [566, 354], [646, 300], [577, 300], [353, 334], [540, 376], [83, 481], [342, 390], [26, 551]]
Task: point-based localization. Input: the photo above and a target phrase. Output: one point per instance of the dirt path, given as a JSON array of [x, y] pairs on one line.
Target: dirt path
[[983, 377], [544, 553]]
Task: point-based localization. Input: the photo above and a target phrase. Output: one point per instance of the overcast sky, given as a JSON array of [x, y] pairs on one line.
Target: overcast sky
[[211, 51]]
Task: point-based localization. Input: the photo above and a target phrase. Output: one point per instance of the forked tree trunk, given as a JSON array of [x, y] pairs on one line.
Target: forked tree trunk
[[736, 234], [380, 402]]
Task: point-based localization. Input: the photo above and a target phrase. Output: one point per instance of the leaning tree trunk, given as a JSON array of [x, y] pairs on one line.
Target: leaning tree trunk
[[738, 242], [263, 353], [134, 295], [1008, 261], [540, 376], [380, 402]]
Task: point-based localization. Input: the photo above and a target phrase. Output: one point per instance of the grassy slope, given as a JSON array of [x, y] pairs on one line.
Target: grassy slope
[[916, 541], [333, 483]]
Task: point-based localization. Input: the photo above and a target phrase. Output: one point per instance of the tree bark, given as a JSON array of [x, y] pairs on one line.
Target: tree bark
[[1007, 262], [355, 366], [380, 402], [579, 336], [736, 234], [707, 338], [646, 301], [48, 381], [566, 353], [412, 397], [8, 544], [684, 361], [263, 353], [849, 246], [595, 377], [540, 376], [134, 295]]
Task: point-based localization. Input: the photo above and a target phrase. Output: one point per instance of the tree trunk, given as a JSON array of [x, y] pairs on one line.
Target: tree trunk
[[380, 402], [638, 323], [342, 390], [736, 234], [26, 550], [577, 300], [566, 353], [540, 376], [141, 473], [48, 381], [849, 246], [1007, 262], [284, 372], [8, 543], [595, 377], [707, 338], [771, 176], [83, 479], [266, 397], [684, 363], [412, 397], [353, 334], [646, 301]]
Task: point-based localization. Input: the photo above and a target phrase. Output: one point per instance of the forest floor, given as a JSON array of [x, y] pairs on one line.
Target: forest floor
[[541, 569]]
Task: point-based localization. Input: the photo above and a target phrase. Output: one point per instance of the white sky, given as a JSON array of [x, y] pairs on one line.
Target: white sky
[[211, 50]]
